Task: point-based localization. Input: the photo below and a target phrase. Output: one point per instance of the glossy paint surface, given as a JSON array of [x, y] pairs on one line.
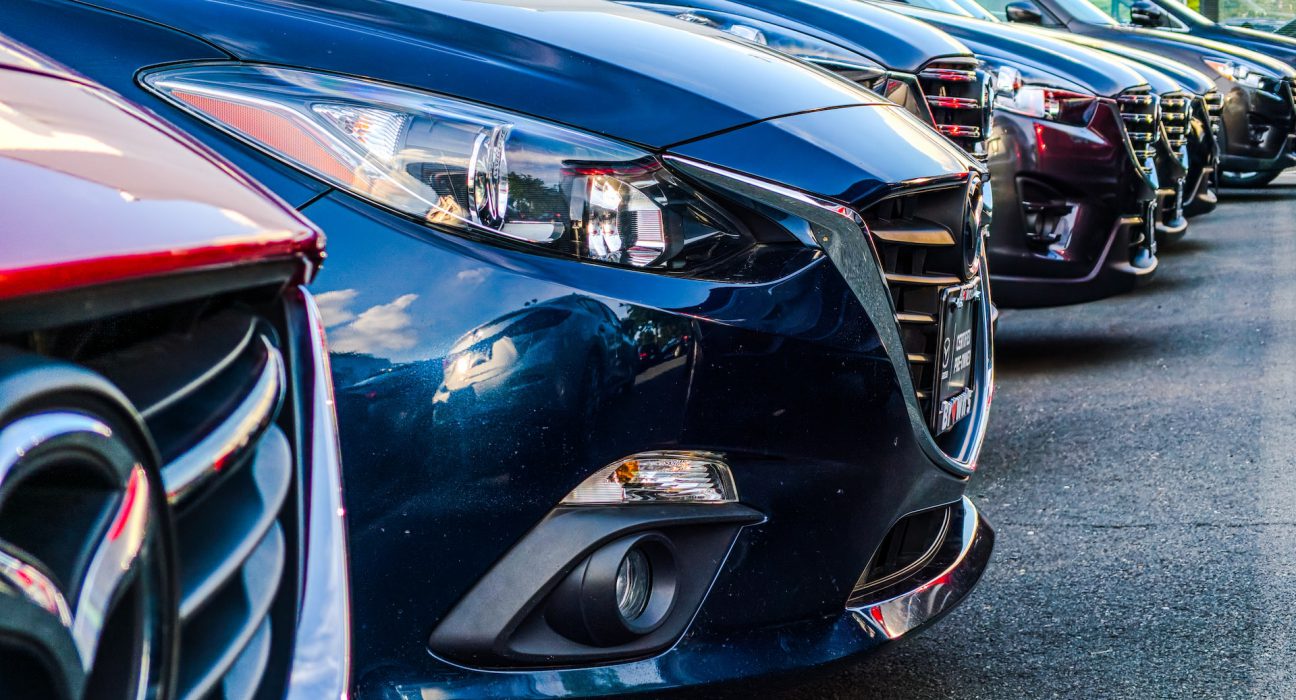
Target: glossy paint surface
[[478, 383], [83, 163], [896, 42], [1053, 61], [593, 65], [1268, 43]]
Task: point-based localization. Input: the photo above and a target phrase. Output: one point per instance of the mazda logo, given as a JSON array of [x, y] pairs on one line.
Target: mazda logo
[[81, 563]]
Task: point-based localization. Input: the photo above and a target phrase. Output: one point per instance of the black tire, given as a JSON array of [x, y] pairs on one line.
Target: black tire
[[1251, 179]]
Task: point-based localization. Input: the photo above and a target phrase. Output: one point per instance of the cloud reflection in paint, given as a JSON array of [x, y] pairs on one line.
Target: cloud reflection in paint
[[381, 328]]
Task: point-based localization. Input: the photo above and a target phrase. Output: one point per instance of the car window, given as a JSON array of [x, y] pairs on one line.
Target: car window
[[1120, 9]]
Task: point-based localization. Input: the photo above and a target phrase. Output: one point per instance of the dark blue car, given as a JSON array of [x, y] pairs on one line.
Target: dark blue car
[[661, 359]]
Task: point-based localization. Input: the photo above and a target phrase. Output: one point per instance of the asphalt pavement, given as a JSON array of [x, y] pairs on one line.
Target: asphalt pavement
[[1141, 475]]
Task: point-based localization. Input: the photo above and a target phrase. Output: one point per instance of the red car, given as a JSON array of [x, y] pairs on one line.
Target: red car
[[170, 498]]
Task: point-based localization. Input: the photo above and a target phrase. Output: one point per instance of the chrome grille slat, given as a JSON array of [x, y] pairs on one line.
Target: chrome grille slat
[[216, 637], [957, 94], [922, 280], [1176, 111], [914, 232], [230, 441], [212, 389], [1140, 112], [218, 538], [245, 675]]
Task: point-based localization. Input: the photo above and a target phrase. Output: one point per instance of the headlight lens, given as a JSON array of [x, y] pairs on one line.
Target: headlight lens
[[1234, 71], [1050, 103], [451, 163]]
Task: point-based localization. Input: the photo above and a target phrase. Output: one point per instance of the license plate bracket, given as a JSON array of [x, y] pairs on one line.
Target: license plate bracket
[[956, 348]]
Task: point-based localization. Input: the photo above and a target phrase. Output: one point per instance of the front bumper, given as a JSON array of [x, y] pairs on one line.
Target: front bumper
[[1084, 177], [858, 628], [831, 471], [1257, 129]]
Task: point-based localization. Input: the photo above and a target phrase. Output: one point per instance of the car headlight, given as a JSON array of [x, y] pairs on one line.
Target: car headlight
[[455, 164], [1234, 71], [1054, 104]]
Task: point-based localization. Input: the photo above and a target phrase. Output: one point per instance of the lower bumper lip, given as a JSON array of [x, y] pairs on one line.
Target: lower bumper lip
[[929, 598]]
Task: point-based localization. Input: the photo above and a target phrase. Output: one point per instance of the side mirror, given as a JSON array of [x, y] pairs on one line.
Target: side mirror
[[1024, 12], [1146, 14]]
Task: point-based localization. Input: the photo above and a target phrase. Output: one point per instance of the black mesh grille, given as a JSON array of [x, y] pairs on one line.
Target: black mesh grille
[[957, 95], [1139, 110], [213, 398]]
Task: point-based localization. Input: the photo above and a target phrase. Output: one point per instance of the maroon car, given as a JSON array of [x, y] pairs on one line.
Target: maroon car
[[170, 497]]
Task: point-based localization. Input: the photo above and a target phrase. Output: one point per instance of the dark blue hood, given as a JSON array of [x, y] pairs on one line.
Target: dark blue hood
[[1273, 45], [594, 65], [1145, 62], [1184, 47], [1040, 57], [893, 40]]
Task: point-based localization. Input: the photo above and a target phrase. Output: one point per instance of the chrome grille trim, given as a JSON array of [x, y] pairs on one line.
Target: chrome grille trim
[[1140, 112], [1176, 115], [958, 94], [231, 440], [218, 412]]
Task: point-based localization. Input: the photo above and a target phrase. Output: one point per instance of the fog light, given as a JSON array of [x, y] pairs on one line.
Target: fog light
[[633, 584], [658, 477], [623, 591]]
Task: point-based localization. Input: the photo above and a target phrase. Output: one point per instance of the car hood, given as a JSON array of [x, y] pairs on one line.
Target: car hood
[[1147, 64], [1267, 43], [1049, 57], [893, 40], [1154, 39], [99, 192], [614, 70]]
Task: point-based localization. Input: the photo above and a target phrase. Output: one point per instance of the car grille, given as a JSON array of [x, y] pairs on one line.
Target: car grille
[[921, 238], [1214, 102], [957, 94], [901, 88], [952, 95], [1139, 111], [213, 398], [1176, 114]]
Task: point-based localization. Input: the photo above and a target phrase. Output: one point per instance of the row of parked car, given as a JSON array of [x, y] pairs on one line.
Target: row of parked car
[[660, 333]]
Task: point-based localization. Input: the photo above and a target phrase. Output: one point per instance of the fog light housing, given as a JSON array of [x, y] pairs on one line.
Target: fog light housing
[[658, 477], [623, 591]]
